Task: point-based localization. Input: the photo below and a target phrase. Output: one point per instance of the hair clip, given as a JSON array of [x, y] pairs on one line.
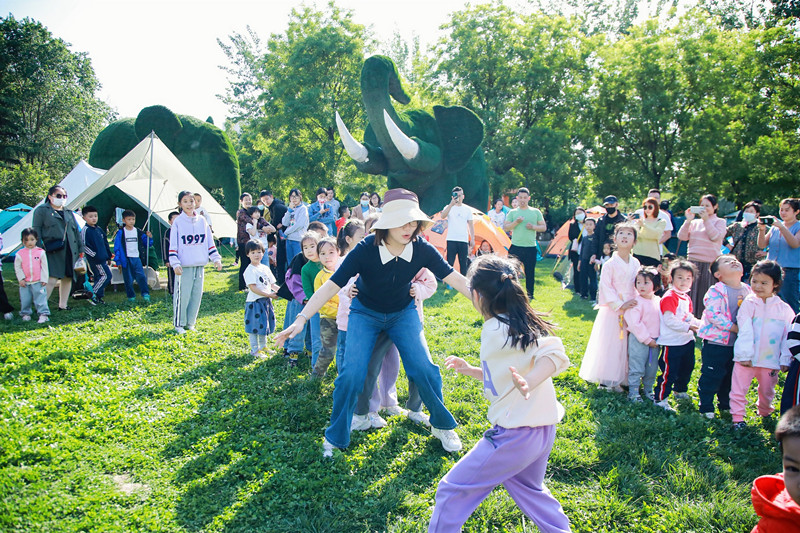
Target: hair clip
[[504, 276]]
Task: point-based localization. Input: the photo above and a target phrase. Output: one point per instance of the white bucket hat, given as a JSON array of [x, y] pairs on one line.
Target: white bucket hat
[[400, 206]]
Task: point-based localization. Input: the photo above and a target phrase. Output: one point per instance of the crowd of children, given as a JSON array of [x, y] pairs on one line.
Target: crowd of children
[[640, 339]]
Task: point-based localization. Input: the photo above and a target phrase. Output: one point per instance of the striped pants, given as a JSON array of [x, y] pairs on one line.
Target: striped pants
[[676, 364], [188, 295], [791, 387], [101, 275]]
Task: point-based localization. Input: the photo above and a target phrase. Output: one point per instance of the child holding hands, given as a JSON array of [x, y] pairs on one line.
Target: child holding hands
[[718, 330], [328, 254], [643, 321], [760, 350], [259, 316], [523, 406]]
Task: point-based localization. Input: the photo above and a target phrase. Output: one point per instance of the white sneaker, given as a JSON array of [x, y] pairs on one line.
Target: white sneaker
[[449, 438], [395, 410], [664, 404], [43, 319], [8, 316], [710, 416], [26, 318], [179, 330], [327, 448], [360, 423], [420, 418], [681, 395], [191, 328], [376, 420]]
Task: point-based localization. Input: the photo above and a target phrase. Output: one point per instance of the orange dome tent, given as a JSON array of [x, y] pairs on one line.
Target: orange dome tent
[[484, 231]]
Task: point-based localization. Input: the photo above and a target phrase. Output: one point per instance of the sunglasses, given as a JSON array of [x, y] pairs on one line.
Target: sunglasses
[[649, 207], [58, 195]]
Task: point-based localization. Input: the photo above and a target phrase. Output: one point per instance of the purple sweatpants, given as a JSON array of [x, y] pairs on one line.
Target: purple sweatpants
[[517, 458]]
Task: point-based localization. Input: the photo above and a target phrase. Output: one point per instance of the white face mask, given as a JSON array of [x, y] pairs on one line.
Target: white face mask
[[749, 217], [580, 217], [365, 204], [59, 202]]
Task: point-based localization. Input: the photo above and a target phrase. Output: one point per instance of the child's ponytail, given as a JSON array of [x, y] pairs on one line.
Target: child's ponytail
[[501, 296], [348, 230]]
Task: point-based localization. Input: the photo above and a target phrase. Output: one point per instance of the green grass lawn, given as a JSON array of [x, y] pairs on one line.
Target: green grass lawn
[[110, 422]]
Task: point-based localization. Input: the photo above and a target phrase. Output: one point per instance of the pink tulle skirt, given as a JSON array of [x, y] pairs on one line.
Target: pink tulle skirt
[[606, 359]]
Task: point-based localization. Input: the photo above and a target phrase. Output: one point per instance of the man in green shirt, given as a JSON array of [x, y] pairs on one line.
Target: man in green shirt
[[523, 223]]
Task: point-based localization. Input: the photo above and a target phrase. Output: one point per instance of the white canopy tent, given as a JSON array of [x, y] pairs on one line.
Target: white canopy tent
[[152, 176], [78, 180]]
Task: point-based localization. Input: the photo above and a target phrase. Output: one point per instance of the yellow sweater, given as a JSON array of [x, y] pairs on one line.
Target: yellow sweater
[[330, 307]]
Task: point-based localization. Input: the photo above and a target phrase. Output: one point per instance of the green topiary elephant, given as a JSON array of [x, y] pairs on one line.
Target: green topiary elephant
[[200, 146], [428, 154]]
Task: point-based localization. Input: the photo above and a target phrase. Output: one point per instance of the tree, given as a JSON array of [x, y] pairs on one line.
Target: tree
[[525, 76], [49, 114], [307, 74], [24, 183]]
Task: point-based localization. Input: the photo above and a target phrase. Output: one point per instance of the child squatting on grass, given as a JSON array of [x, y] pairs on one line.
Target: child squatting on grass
[[191, 245], [760, 350], [518, 357], [776, 499], [259, 316]]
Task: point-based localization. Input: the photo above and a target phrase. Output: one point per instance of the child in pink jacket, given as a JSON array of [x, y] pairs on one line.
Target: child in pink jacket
[[760, 350], [718, 329], [643, 322]]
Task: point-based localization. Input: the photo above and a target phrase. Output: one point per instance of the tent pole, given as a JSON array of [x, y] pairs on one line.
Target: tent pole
[[150, 193]]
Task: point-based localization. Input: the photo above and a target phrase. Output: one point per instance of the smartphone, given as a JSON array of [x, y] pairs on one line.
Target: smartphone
[[697, 209], [636, 216], [767, 221], [455, 195]]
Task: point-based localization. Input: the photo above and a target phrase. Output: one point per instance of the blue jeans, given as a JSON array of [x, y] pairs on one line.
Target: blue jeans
[[790, 290], [292, 249], [134, 269], [405, 330], [308, 336], [340, 345]]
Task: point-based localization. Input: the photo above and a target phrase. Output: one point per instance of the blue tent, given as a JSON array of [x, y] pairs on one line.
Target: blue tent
[[10, 215]]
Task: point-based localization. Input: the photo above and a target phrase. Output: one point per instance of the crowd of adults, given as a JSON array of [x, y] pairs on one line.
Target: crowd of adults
[[750, 238]]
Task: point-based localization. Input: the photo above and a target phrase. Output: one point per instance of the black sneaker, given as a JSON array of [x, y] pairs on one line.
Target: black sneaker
[[739, 425], [101, 301], [292, 363]]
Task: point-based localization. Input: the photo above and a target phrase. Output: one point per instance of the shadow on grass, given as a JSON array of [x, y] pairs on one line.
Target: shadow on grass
[[253, 458]]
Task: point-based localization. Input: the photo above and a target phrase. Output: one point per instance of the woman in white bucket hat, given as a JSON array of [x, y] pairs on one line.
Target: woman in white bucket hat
[[386, 262]]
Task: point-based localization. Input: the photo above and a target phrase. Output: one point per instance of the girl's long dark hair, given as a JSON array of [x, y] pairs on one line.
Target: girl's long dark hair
[[496, 279], [348, 230]]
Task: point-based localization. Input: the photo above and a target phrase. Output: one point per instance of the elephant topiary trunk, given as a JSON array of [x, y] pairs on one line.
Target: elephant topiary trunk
[[428, 154]]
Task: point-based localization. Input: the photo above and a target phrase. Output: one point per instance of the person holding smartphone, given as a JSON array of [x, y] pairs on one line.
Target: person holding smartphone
[[705, 231], [460, 230], [784, 248]]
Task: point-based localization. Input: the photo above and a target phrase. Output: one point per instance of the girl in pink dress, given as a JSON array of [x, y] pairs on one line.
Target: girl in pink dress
[[605, 361]]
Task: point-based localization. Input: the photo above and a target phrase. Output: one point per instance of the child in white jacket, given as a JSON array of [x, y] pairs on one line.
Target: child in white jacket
[[760, 349]]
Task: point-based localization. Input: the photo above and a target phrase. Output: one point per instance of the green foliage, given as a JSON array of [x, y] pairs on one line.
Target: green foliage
[[49, 114], [307, 74], [205, 150], [525, 76], [213, 441], [24, 183]]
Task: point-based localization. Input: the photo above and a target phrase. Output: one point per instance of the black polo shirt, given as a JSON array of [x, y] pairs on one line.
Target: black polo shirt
[[384, 287]]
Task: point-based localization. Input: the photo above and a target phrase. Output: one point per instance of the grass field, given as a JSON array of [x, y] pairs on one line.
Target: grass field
[[110, 422]]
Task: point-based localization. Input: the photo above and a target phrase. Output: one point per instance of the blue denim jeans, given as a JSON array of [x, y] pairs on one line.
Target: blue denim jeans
[[310, 336], [292, 249], [405, 330], [790, 289], [340, 345], [134, 269]]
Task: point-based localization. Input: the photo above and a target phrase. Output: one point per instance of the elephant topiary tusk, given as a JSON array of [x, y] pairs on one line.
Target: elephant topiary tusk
[[354, 149], [407, 147]]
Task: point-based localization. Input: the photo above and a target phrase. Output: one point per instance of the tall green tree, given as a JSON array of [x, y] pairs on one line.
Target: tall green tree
[[49, 112], [306, 75], [525, 76]]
